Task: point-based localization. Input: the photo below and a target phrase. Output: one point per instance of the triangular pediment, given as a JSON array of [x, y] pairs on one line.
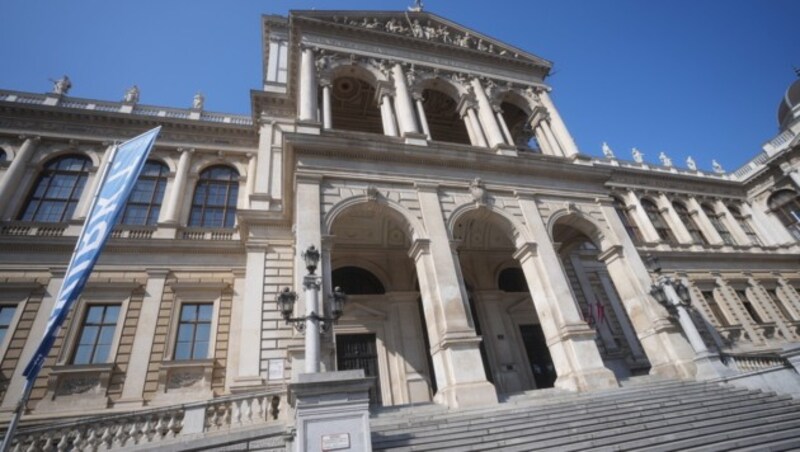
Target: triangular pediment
[[423, 26]]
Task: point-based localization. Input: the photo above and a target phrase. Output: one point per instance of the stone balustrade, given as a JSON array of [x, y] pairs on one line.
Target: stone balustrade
[[753, 362], [150, 428]]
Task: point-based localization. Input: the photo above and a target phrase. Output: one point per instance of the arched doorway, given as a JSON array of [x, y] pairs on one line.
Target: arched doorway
[[382, 329], [598, 300], [516, 356]]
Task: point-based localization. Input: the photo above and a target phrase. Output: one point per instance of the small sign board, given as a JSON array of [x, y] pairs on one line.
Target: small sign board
[[336, 441]]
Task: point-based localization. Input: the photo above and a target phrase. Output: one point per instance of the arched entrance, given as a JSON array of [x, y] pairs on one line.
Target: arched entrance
[[516, 356], [382, 330], [595, 292]]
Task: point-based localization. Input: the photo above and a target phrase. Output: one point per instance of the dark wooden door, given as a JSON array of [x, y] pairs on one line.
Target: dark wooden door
[[359, 351]]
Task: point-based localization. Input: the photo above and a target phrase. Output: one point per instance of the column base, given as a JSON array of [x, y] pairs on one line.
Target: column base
[[416, 139], [309, 127], [709, 367], [588, 380], [467, 395]]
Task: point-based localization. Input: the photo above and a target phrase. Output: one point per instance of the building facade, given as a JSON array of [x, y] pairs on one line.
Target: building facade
[[483, 253]]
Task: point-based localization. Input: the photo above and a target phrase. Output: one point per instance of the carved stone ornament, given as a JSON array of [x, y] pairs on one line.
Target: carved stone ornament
[[372, 192], [478, 191], [665, 161], [77, 385], [638, 156], [690, 163], [717, 167], [413, 26], [607, 152], [183, 379]]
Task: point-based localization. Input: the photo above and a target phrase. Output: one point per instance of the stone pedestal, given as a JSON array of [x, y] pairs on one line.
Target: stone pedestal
[[331, 411]]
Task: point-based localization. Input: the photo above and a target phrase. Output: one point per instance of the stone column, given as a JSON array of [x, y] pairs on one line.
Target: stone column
[[387, 116], [403, 104], [17, 382], [649, 232], [455, 349], [733, 226], [477, 130], [504, 127], [559, 128], [571, 341], [544, 144], [248, 375], [9, 183], [699, 216], [551, 139], [307, 102], [769, 228], [421, 114], [673, 220], [327, 119], [308, 232], [82, 209], [133, 387], [252, 162], [494, 136], [170, 213]]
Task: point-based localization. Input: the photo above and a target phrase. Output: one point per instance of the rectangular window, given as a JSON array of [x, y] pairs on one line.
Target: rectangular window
[[194, 331], [6, 317], [773, 294], [708, 295], [751, 310], [96, 335]]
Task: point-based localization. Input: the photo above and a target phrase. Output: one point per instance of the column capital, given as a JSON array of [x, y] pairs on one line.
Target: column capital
[[419, 248], [426, 187], [526, 251], [314, 179], [524, 193], [612, 253]]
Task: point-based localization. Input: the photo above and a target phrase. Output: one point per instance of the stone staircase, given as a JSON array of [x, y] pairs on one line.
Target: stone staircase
[[648, 414]]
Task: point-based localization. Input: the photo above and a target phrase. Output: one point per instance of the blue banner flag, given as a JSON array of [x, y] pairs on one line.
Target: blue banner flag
[[116, 183]]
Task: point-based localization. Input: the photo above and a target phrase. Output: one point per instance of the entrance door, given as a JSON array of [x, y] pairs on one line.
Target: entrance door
[[544, 373], [358, 351]]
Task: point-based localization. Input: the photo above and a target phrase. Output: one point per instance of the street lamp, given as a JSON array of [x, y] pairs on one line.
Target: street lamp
[[312, 322]]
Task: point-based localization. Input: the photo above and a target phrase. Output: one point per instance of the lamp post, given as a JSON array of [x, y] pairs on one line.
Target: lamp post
[[312, 322], [674, 295]]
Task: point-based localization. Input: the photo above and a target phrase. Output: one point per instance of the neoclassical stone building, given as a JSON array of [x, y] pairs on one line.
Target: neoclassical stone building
[[483, 253]]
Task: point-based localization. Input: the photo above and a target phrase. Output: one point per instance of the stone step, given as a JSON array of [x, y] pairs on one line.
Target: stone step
[[661, 415], [616, 397], [786, 440], [558, 432], [551, 411], [503, 425]]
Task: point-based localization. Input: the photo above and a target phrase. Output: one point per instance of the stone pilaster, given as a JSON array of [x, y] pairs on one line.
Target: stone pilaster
[[9, 183]]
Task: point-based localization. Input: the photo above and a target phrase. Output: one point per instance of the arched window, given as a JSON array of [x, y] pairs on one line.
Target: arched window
[[691, 226], [357, 281], [745, 225], [786, 205], [716, 221], [627, 221], [214, 200], [512, 280], [144, 204], [57, 190], [654, 215]]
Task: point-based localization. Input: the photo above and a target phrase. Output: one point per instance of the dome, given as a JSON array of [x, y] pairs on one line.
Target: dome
[[789, 109]]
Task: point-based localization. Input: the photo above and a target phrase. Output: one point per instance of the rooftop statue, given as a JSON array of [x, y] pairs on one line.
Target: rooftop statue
[[638, 157], [131, 95], [198, 101], [607, 151], [61, 86], [717, 167], [666, 161], [690, 163]]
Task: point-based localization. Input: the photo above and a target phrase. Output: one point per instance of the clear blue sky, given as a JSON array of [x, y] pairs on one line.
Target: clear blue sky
[[688, 77]]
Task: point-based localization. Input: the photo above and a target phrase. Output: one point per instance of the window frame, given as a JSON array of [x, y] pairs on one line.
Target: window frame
[[193, 295], [695, 232], [716, 222], [789, 218], [744, 222], [17, 297], [231, 183], [93, 296], [628, 222], [162, 177], [87, 169], [656, 218]]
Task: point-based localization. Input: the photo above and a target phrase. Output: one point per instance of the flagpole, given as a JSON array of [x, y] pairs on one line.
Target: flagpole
[[12, 425], [26, 392]]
